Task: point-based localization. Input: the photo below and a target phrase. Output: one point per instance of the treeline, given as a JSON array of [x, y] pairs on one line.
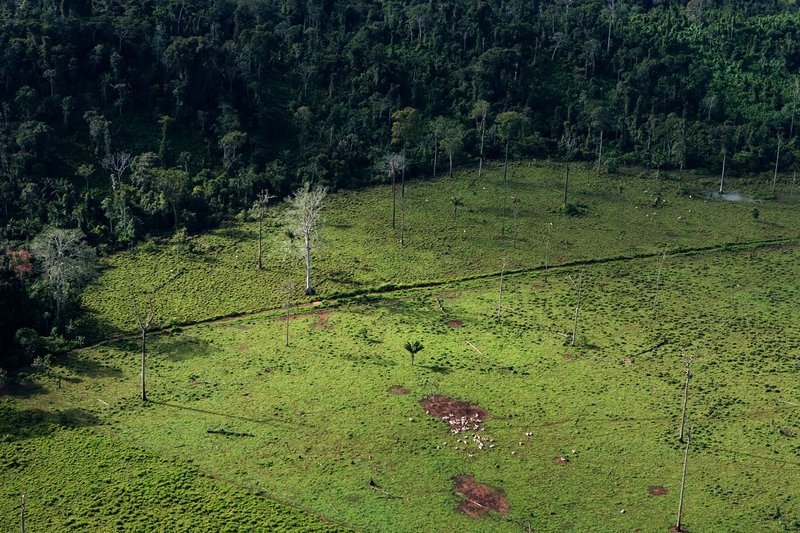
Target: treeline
[[124, 118]]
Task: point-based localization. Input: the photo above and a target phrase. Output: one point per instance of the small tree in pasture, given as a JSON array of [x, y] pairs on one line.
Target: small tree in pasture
[[413, 348]]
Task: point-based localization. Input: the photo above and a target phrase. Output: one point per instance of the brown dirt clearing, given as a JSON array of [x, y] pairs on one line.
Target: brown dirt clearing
[[462, 416], [657, 490], [455, 323], [479, 499]]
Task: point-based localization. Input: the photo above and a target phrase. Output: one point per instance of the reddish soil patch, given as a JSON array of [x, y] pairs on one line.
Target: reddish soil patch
[[539, 286], [674, 529], [570, 357], [462, 416], [561, 459], [322, 320], [479, 499], [398, 389], [455, 323], [657, 490]]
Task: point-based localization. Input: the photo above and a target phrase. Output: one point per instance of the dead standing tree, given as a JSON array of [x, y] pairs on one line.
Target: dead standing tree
[[303, 218], [688, 362], [144, 314], [259, 212]]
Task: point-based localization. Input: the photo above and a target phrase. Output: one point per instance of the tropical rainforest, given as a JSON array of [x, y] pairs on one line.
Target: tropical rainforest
[[122, 120]]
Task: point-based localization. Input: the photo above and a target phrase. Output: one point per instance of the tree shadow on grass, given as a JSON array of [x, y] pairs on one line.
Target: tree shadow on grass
[[267, 420], [179, 347], [89, 367], [437, 368], [19, 424]]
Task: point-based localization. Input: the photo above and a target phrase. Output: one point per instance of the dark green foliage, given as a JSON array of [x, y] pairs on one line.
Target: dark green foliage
[[222, 94]]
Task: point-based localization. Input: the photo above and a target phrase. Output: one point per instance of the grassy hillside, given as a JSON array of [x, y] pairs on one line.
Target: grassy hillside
[[576, 437], [82, 480], [361, 251]]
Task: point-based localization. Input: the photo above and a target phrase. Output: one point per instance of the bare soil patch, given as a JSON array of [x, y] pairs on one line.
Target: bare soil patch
[[539, 286], [657, 490], [462, 416], [570, 357], [479, 499], [322, 320], [455, 323], [561, 460], [398, 389]]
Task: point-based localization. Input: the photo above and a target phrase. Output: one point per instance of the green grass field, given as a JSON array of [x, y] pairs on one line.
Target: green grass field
[[361, 251], [332, 425]]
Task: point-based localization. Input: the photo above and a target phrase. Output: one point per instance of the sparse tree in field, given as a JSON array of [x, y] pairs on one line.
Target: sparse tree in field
[[22, 513], [480, 113], [67, 264], [413, 348], [302, 218], [457, 202], [394, 164], [144, 314], [452, 140], [568, 141], [687, 362], [258, 211], [683, 484]]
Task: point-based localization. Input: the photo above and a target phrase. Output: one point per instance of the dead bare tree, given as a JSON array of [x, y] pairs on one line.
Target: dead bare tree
[[302, 218], [259, 212], [683, 483], [144, 314], [687, 362]]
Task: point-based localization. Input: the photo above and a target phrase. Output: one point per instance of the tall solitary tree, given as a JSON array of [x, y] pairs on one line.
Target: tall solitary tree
[[480, 113], [394, 164], [302, 218], [258, 211], [568, 141]]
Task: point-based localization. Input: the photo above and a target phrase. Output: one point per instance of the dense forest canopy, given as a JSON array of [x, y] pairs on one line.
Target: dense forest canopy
[[123, 118]]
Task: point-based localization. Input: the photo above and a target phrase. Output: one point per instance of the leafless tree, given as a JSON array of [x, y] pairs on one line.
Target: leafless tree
[[259, 212], [302, 218]]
